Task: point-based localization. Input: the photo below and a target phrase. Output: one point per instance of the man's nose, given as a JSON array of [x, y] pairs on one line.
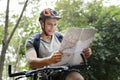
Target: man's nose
[[53, 26]]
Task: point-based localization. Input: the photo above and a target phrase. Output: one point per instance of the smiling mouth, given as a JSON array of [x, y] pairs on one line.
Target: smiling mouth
[[51, 31]]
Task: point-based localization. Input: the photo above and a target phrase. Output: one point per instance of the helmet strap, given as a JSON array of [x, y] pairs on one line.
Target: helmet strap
[[43, 28]]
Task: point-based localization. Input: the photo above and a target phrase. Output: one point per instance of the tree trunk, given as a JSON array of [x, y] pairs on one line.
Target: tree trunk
[[7, 39], [4, 48], [4, 42]]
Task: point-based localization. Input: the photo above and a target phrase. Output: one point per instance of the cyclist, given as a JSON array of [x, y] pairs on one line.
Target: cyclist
[[49, 43]]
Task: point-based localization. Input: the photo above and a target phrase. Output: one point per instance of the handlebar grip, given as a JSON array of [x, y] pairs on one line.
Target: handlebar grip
[[80, 66], [84, 59], [9, 70], [14, 74]]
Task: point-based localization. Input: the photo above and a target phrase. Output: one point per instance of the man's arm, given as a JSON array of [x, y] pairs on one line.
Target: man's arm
[[35, 62]]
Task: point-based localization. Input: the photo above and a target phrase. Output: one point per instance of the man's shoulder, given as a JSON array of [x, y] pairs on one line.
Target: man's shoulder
[[59, 36], [36, 35], [32, 37]]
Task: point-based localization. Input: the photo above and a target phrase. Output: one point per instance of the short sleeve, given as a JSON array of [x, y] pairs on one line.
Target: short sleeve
[[29, 44]]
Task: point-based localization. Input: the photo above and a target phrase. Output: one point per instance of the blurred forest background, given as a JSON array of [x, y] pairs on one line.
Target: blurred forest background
[[15, 28]]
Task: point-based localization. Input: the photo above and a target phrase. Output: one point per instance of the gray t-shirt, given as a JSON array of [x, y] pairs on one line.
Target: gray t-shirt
[[46, 48]]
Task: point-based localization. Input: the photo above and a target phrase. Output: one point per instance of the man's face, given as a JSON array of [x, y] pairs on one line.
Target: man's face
[[50, 26]]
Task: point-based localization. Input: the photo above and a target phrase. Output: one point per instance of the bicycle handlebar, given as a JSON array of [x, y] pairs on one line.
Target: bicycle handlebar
[[14, 74], [31, 72]]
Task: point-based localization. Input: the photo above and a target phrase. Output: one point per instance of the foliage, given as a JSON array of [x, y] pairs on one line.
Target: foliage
[[105, 61], [71, 13], [107, 48]]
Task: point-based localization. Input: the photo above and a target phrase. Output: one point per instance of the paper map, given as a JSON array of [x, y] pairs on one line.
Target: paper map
[[74, 42]]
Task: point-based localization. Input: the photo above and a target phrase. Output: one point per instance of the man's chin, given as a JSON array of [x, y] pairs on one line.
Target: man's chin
[[50, 34]]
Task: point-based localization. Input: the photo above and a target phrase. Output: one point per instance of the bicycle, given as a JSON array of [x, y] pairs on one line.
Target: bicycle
[[49, 73]]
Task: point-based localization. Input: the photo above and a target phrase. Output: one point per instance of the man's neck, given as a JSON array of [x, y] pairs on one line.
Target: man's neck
[[46, 37]]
